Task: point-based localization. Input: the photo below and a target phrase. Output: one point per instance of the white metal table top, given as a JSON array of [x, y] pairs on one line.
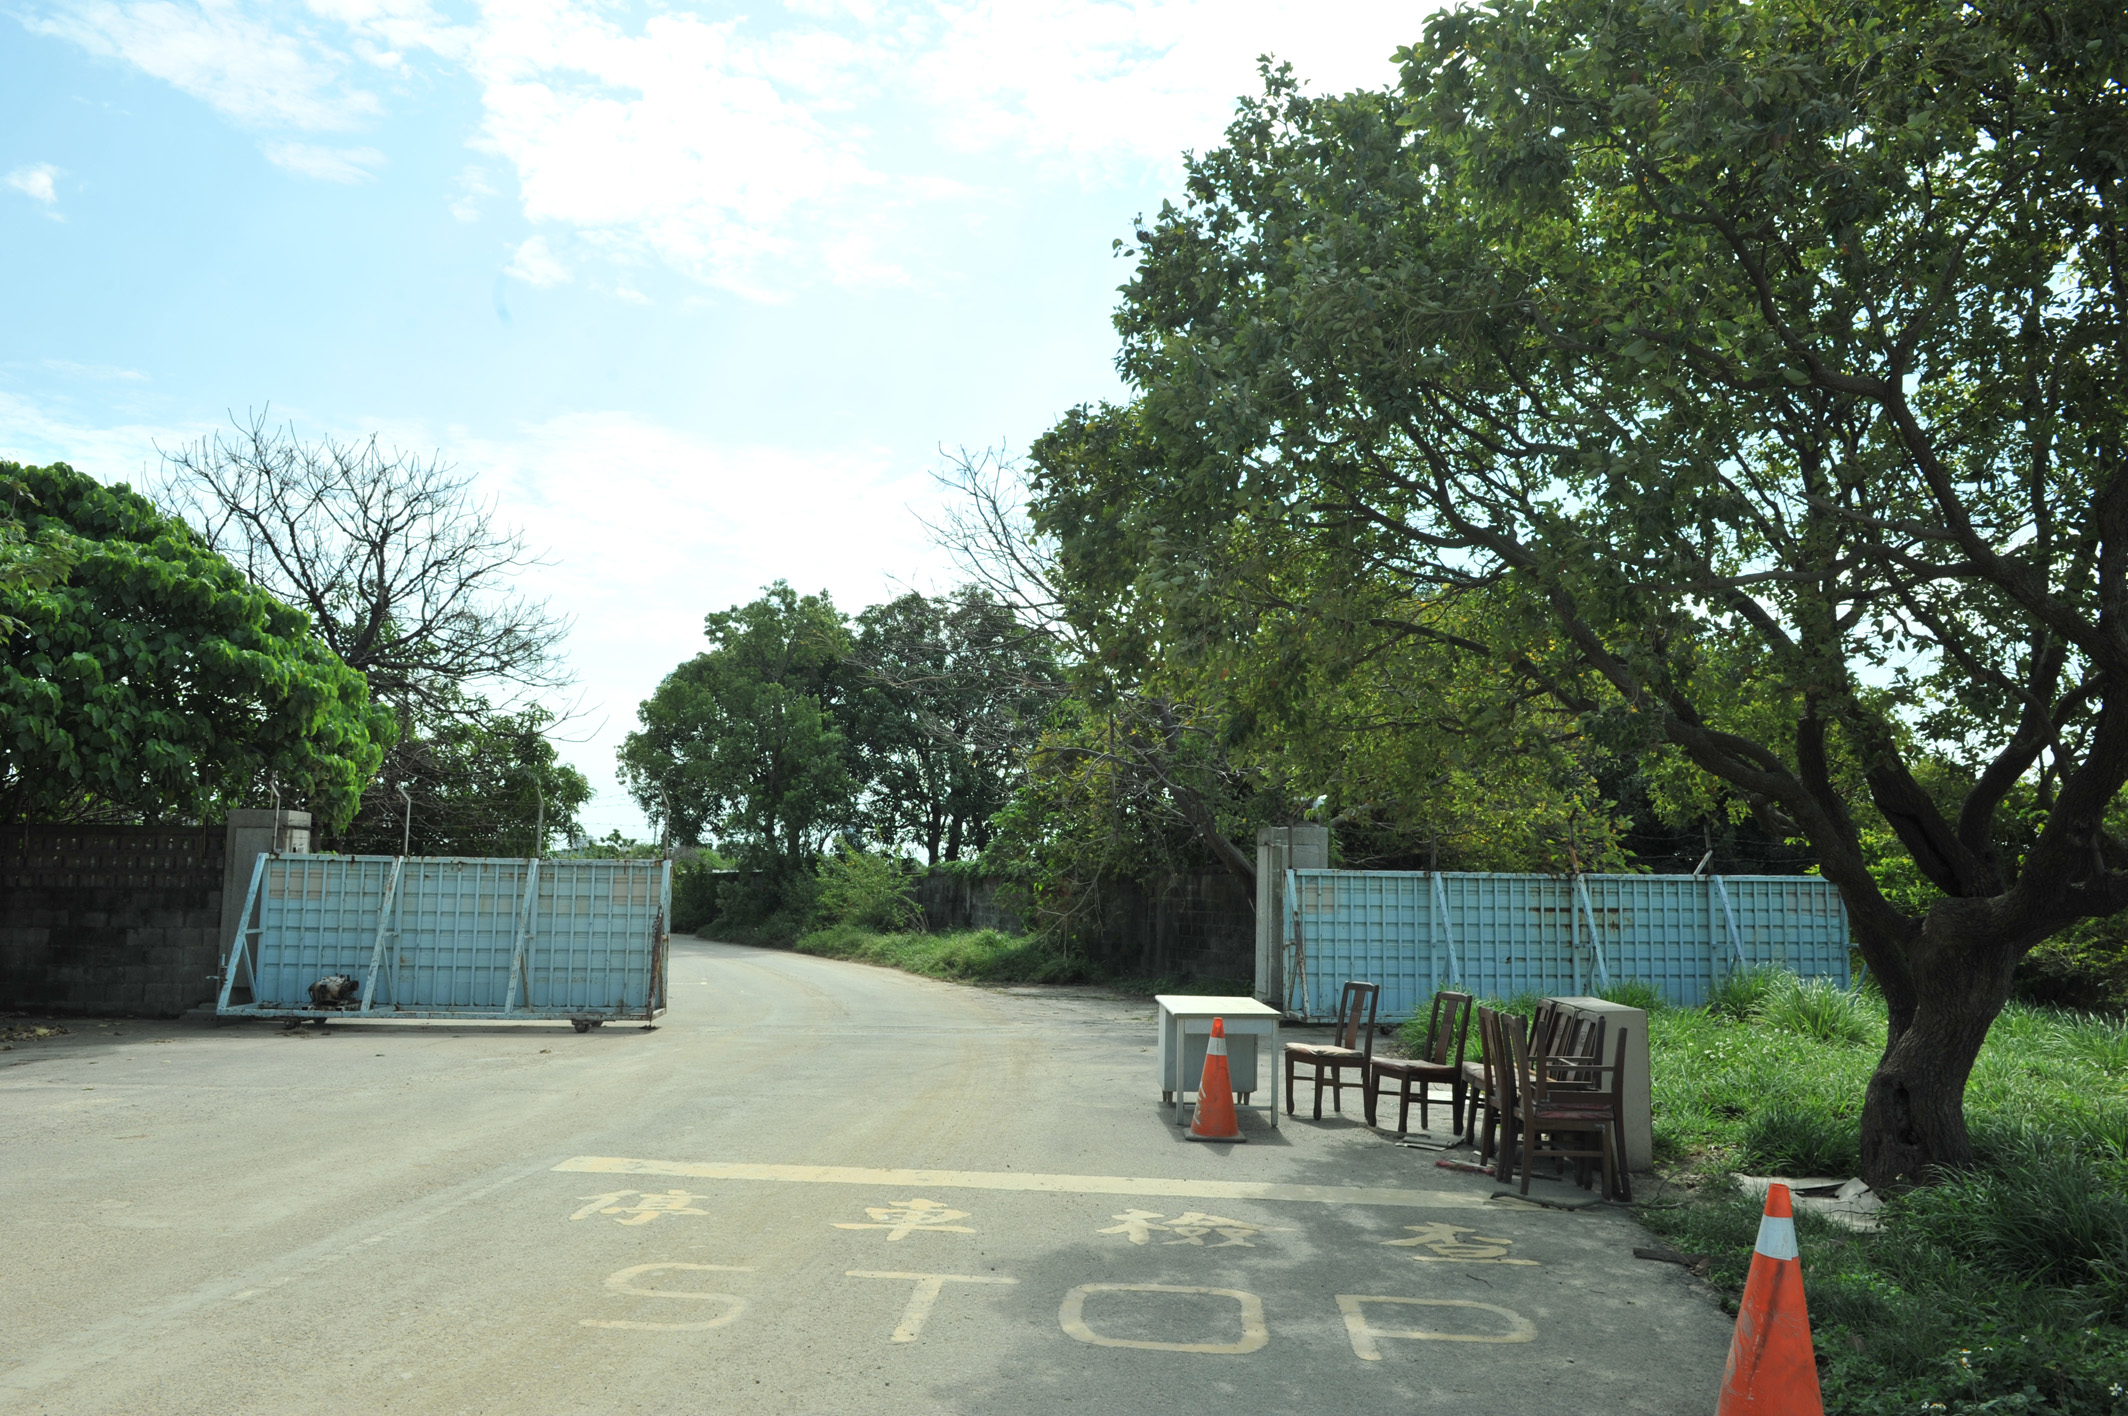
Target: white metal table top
[[1197, 1005]]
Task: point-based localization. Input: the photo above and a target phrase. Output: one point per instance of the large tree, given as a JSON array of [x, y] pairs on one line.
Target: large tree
[[1769, 357], [742, 743], [143, 677], [950, 694], [409, 577]]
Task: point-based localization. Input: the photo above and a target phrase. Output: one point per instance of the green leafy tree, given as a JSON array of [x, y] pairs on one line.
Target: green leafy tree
[[153, 681], [743, 743], [480, 783], [1768, 357], [952, 693]]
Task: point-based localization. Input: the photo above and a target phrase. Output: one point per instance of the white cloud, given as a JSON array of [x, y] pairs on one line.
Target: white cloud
[[112, 373], [651, 527], [760, 150], [38, 182], [535, 265], [472, 186], [253, 71], [326, 164]]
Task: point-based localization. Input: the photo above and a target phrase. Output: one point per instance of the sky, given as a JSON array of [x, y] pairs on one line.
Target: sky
[[702, 295]]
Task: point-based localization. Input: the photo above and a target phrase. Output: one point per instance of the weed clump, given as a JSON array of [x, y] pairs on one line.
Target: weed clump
[[1787, 1138], [1819, 1010]]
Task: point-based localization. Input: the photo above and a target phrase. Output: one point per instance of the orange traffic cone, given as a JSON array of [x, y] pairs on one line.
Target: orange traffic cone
[[1215, 1120], [1772, 1370]]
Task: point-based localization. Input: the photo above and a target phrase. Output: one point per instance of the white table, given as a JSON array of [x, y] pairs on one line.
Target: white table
[[1186, 1030]]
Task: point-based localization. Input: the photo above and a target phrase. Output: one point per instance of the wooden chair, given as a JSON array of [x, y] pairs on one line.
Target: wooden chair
[[1568, 1113], [1449, 1023], [1492, 1108], [1353, 1049]]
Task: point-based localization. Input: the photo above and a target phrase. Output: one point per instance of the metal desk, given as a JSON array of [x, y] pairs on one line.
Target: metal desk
[[1252, 1047]]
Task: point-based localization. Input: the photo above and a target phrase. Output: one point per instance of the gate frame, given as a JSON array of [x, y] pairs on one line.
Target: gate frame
[[240, 956]]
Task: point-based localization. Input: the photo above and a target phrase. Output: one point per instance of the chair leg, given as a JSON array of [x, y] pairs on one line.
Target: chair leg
[[1318, 1091], [1404, 1109], [1455, 1104], [1367, 1092], [1289, 1085]]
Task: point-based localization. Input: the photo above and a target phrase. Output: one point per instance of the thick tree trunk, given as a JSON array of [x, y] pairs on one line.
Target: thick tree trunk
[[1913, 1115]]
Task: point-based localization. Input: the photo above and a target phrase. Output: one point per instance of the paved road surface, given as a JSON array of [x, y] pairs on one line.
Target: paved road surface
[[716, 1217]]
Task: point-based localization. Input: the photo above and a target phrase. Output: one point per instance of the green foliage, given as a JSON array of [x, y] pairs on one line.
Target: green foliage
[[1742, 995], [868, 891], [154, 681], [1632, 993], [29, 562], [1640, 358], [1787, 1138], [1821, 1011], [2086, 966], [950, 695], [477, 778], [694, 892], [742, 742], [2000, 1278], [978, 956]]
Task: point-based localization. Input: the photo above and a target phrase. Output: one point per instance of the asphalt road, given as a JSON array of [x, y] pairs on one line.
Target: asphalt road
[[707, 1217]]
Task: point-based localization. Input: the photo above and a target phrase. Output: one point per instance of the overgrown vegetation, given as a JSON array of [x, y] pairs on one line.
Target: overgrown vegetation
[[967, 956], [2002, 1287]]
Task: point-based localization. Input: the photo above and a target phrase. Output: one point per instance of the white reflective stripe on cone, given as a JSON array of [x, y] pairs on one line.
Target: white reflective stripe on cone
[[1776, 1238], [1217, 1049]]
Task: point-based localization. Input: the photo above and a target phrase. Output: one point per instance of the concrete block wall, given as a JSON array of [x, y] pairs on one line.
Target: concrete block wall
[[127, 920], [110, 919]]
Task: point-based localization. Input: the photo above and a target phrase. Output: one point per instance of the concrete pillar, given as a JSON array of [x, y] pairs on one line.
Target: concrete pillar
[[1278, 850], [251, 833]]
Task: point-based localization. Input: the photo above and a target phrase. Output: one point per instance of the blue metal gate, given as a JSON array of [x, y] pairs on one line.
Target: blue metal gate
[[452, 937], [1499, 935]]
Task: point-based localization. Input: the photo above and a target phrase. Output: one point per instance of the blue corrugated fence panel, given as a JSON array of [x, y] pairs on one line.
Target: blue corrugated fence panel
[[591, 933], [1500, 935]]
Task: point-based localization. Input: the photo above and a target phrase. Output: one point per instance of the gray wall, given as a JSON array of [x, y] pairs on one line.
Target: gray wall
[[109, 919], [127, 920]]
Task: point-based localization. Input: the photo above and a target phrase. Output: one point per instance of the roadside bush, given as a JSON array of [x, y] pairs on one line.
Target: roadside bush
[[870, 891], [2085, 966], [694, 893], [970, 956]]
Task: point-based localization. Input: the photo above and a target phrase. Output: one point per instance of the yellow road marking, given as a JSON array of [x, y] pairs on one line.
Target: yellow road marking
[[924, 1297], [1363, 1335], [1253, 1332], [624, 1282], [914, 1180]]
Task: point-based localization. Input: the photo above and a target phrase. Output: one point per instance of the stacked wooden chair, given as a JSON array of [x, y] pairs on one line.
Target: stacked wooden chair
[[1540, 1094]]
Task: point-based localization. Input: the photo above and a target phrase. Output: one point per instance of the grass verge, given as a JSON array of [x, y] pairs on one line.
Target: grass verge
[[966, 956], [2003, 1288]]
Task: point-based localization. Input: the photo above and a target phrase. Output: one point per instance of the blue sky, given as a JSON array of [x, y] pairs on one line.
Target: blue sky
[[698, 292]]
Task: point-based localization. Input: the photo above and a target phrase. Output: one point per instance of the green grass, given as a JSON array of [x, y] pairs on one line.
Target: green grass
[[2003, 1288], [967, 956]]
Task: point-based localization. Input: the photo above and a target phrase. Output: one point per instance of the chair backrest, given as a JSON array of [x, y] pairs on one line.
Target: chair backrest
[[1545, 1021], [1350, 1027], [1450, 1020], [1501, 1050]]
